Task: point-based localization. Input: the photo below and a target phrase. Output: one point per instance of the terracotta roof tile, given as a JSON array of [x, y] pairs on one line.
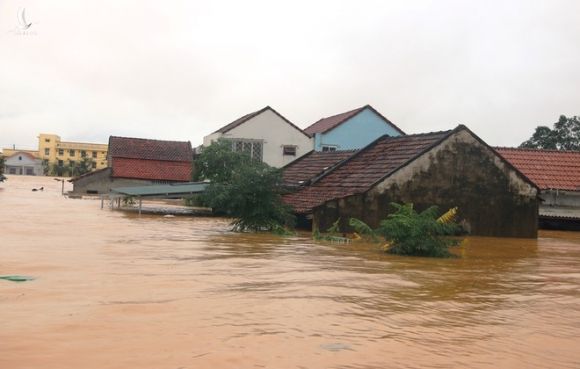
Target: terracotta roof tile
[[140, 148], [312, 165], [152, 169], [326, 124], [548, 169], [362, 170]]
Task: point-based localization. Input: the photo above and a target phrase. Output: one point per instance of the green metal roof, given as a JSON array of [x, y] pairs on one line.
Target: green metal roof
[[165, 190]]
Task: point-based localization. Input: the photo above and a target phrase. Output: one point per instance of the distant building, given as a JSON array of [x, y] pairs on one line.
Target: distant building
[[138, 162], [53, 151], [22, 163], [266, 136], [557, 174], [447, 169], [351, 130]]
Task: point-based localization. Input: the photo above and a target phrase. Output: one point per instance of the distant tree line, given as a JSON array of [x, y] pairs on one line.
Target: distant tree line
[[565, 135]]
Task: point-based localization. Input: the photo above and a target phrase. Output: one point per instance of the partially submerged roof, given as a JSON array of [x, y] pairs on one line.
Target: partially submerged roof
[[165, 190], [362, 170], [141, 148], [152, 169], [326, 124], [140, 158], [315, 163], [247, 117], [548, 169]]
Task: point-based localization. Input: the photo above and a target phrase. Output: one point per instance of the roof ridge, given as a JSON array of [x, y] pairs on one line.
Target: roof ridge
[[147, 139], [535, 149]]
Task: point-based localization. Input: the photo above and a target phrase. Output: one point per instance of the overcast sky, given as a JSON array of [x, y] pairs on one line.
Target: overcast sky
[[181, 69]]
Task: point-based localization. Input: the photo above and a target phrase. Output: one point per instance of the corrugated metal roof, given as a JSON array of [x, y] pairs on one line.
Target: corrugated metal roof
[[163, 190]]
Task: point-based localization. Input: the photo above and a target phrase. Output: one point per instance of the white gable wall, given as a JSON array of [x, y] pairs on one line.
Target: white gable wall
[[275, 132]]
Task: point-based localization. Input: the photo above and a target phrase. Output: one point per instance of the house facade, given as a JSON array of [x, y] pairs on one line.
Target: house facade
[[448, 169], [266, 136], [557, 174], [138, 162], [351, 130], [23, 163], [53, 151]]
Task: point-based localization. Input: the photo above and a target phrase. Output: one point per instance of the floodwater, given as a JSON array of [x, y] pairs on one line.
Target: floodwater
[[118, 290]]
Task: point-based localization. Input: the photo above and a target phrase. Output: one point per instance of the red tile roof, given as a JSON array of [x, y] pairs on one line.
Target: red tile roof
[[247, 117], [548, 169], [140, 148], [365, 168], [326, 124], [152, 169], [312, 165], [150, 159]]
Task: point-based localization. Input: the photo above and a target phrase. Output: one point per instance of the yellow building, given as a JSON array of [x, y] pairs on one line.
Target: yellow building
[[54, 151]]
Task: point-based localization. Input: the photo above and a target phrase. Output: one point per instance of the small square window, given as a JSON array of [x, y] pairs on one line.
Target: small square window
[[94, 164], [60, 163], [47, 151], [94, 154], [47, 140], [83, 154], [71, 152], [328, 148], [289, 150], [60, 152]]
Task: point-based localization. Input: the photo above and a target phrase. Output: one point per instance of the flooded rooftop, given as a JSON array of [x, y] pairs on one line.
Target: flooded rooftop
[[117, 290]]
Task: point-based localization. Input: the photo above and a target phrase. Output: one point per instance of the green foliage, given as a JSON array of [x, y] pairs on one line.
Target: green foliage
[[244, 189], [363, 229], [410, 233], [129, 200], [335, 228], [564, 136], [218, 163], [1, 164], [418, 234]]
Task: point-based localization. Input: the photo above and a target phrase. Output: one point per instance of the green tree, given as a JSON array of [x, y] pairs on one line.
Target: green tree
[[85, 165], [565, 135], [245, 189]]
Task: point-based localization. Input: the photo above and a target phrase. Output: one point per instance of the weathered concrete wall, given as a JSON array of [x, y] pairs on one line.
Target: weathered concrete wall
[[492, 199], [101, 183]]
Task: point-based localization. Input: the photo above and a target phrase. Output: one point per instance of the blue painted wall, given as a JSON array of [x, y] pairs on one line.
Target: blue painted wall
[[355, 133]]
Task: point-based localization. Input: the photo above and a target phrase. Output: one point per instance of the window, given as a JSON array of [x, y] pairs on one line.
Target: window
[[71, 152], [289, 150], [60, 163], [94, 164], [83, 154], [20, 158], [253, 148], [47, 151], [60, 152], [328, 148], [71, 163], [47, 140], [94, 154]]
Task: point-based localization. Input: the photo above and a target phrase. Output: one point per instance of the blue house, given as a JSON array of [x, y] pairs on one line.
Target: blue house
[[351, 130]]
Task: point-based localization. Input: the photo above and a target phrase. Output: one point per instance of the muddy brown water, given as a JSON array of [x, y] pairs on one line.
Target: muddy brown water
[[118, 290]]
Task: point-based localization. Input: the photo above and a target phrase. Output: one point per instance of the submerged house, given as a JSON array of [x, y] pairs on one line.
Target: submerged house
[[557, 174], [138, 162], [351, 130], [23, 163], [447, 169], [266, 136]]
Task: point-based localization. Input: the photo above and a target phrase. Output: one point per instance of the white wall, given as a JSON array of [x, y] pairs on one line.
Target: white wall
[[275, 133]]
